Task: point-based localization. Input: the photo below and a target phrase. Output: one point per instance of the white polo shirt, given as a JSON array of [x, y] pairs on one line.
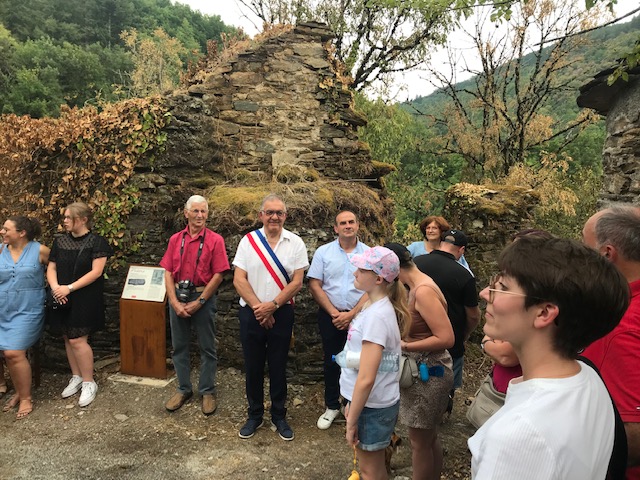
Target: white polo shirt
[[290, 250]]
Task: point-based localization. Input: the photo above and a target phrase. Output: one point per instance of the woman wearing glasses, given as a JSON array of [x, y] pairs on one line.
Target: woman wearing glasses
[[75, 271], [552, 298], [507, 365]]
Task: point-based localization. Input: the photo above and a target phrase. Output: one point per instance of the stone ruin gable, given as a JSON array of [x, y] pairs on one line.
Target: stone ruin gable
[[273, 118], [620, 103], [281, 105]]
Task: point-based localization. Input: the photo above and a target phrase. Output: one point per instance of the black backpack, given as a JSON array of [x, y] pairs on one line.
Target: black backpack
[[618, 460]]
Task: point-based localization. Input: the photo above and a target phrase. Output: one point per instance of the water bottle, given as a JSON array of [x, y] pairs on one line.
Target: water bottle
[[348, 359], [424, 372]]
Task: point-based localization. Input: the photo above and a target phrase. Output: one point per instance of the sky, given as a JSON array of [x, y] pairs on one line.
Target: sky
[[408, 86]]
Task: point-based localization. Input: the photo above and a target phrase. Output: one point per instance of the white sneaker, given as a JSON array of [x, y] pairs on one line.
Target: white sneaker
[[327, 418], [74, 386], [89, 390]]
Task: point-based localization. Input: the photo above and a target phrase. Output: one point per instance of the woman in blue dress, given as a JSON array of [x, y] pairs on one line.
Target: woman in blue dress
[[22, 267]]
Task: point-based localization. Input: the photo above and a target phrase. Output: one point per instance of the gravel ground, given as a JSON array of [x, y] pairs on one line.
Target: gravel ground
[[127, 434]]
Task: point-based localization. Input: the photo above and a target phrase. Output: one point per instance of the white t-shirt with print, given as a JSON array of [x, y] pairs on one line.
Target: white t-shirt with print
[[376, 324]]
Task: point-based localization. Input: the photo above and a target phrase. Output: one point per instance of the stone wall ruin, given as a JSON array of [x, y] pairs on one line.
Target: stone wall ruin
[[274, 115]]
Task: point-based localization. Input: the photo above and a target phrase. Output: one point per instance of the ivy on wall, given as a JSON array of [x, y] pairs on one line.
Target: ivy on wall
[[84, 155]]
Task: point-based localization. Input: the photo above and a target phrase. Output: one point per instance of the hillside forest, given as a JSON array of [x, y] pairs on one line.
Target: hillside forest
[[95, 52]]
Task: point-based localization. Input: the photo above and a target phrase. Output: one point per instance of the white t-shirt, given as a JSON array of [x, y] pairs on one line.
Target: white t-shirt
[[290, 250], [377, 324], [560, 429]]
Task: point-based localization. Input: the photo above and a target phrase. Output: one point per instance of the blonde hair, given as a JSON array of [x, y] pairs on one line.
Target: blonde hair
[[81, 210], [398, 296]]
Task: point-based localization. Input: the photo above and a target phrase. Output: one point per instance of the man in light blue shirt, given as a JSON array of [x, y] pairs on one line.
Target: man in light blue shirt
[[331, 285]]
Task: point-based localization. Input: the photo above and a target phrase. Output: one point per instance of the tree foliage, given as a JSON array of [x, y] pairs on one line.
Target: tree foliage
[[54, 52], [86, 154], [398, 137], [85, 22], [156, 59], [374, 38], [502, 118]]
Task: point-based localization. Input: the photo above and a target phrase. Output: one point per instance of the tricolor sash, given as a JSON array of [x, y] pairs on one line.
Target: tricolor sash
[[269, 259]]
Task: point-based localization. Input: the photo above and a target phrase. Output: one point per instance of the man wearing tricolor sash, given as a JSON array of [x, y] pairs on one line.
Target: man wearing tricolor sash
[[269, 270]]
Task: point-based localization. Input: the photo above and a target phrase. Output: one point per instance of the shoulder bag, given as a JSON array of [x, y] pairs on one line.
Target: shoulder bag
[[486, 402]]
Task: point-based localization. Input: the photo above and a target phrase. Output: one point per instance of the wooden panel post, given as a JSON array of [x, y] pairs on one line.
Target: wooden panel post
[[143, 339]]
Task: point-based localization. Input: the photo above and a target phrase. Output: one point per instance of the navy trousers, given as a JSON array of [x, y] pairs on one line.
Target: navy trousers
[[333, 341], [271, 345]]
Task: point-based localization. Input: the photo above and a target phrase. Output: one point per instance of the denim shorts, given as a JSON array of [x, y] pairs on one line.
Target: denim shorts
[[375, 427]]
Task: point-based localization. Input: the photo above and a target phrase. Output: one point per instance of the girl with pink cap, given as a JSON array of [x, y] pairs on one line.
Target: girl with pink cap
[[374, 397]]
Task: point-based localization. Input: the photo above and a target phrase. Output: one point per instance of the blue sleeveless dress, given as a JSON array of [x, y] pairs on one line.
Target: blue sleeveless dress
[[21, 298]]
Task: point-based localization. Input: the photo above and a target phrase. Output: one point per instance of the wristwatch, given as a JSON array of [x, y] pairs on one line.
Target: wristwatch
[[276, 304], [70, 287], [202, 300]]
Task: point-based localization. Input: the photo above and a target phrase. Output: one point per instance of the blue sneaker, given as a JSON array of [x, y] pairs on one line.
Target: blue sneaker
[[283, 429], [249, 428]]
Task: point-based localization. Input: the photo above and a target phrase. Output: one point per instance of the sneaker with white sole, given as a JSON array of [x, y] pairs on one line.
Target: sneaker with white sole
[[75, 384], [327, 418], [89, 390]]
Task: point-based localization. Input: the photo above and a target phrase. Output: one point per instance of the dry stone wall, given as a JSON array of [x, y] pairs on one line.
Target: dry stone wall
[[274, 116], [490, 215], [620, 103]]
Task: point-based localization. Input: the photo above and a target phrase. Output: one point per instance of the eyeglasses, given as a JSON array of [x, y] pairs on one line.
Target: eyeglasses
[[493, 281], [195, 211], [271, 213]]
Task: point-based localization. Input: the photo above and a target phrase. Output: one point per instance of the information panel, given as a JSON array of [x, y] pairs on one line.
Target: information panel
[[144, 283]]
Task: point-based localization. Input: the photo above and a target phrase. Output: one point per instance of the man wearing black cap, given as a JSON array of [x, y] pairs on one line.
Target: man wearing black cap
[[459, 288]]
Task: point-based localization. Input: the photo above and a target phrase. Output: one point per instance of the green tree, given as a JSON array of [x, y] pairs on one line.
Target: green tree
[[7, 51], [157, 63], [34, 92], [374, 38], [401, 138], [499, 121]]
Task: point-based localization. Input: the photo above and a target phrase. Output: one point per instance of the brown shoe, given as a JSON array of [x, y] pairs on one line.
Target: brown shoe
[[177, 400], [209, 404]]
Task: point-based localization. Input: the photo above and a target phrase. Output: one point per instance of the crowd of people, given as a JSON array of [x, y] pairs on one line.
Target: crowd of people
[[551, 300]]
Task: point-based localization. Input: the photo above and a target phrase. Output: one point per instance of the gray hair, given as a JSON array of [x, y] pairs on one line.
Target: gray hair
[[619, 225], [272, 197], [195, 199]]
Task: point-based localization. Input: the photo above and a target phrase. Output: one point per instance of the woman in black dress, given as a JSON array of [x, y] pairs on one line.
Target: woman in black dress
[[76, 265]]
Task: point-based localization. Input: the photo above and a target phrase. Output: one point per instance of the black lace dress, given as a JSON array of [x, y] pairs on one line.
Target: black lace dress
[[73, 257]]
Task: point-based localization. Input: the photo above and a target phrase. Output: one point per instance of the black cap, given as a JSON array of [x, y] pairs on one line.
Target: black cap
[[455, 237], [401, 251]]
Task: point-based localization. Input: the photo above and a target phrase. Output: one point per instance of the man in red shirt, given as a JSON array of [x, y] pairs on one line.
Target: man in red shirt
[[194, 263], [615, 233]]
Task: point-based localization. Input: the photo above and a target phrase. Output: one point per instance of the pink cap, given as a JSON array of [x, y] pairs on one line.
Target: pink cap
[[379, 260]]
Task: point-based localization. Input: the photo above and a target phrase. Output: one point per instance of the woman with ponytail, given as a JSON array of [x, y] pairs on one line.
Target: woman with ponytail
[[373, 396], [430, 334]]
